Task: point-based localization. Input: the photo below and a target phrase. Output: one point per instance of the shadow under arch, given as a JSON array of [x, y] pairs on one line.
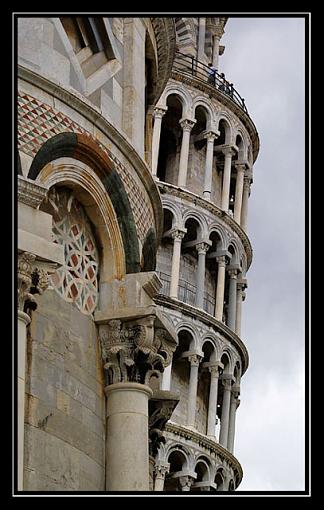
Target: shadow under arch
[[83, 148]]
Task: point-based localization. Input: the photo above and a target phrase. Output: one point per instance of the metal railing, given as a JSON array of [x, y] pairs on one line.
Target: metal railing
[[186, 64], [186, 292]]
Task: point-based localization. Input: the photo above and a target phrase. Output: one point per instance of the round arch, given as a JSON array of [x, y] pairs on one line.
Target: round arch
[[183, 95], [199, 101], [81, 147], [90, 191], [190, 214]]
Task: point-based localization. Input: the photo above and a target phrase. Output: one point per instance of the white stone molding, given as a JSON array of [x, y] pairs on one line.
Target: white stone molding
[[30, 192]]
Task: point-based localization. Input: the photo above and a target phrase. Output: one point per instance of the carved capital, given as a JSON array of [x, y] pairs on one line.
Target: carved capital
[[178, 235], [131, 349], [194, 360], [161, 470], [221, 261], [215, 371], [159, 112], [161, 407], [228, 152], [227, 383], [211, 136], [25, 269], [187, 124], [202, 247], [232, 273]]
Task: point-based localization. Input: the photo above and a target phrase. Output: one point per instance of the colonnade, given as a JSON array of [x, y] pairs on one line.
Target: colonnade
[[236, 285], [243, 178]]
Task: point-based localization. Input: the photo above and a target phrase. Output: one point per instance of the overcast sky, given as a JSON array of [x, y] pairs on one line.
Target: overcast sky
[[264, 58]]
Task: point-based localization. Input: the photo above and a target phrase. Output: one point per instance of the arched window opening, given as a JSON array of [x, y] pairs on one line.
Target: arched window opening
[[170, 141], [211, 273], [164, 254], [189, 261], [76, 281], [177, 461], [219, 481], [226, 291], [199, 128], [180, 374]]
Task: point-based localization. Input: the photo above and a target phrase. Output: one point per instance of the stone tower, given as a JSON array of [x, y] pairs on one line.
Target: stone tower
[[204, 147], [134, 161]]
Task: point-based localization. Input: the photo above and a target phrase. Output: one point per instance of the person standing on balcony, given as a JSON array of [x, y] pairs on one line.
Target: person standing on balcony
[[211, 74]]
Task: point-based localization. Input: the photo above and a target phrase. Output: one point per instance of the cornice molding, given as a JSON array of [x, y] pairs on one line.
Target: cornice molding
[[211, 445], [198, 200], [81, 105], [208, 319], [237, 110]]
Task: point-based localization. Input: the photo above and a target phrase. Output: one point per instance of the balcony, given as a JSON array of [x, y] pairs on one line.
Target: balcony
[[187, 293], [190, 66]]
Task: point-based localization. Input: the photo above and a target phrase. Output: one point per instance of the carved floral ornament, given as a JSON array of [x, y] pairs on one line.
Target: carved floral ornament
[[31, 280], [131, 349]]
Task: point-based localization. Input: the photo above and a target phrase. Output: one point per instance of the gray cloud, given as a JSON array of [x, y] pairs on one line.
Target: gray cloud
[[264, 57]]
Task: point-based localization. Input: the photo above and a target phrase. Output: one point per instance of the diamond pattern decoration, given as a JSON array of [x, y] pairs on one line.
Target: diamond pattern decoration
[[38, 122]]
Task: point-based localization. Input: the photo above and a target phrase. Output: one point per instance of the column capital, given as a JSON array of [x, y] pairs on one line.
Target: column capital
[[210, 136], [233, 272], [221, 260], [31, 280], [30, 192], [130, 349], [203, 247], [228, 151], [186, 482], [178, 235], [161, 469], [194, 359], [240, 167], [215, 371], [227, 382], [247, 182], [187, 124], [159, 111]]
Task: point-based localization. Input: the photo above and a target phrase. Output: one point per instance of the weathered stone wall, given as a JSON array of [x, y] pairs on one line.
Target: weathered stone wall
[[65, 402], [180, 384]]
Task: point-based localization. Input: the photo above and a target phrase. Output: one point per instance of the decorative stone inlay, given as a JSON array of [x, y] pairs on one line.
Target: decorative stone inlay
[[164, 31], [38, 122], [131, 349], [77, 280], [30, 192]]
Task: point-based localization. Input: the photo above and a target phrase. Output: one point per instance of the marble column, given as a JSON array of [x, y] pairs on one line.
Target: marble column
[[239, 298], [127, 451], [160, 471], [210, 136], [235, 402], [220, 288], [238, 193], [216, 51], [231, 316], [201, 37], [228, 152], [158, 114], [187, 125], [223, 436], [212, 405], [245, 199], [194, 361], [177, 236], [202, 249], [166, 378]]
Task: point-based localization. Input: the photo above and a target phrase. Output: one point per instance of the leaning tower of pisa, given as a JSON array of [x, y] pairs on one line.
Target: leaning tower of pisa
[[204, 145]]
